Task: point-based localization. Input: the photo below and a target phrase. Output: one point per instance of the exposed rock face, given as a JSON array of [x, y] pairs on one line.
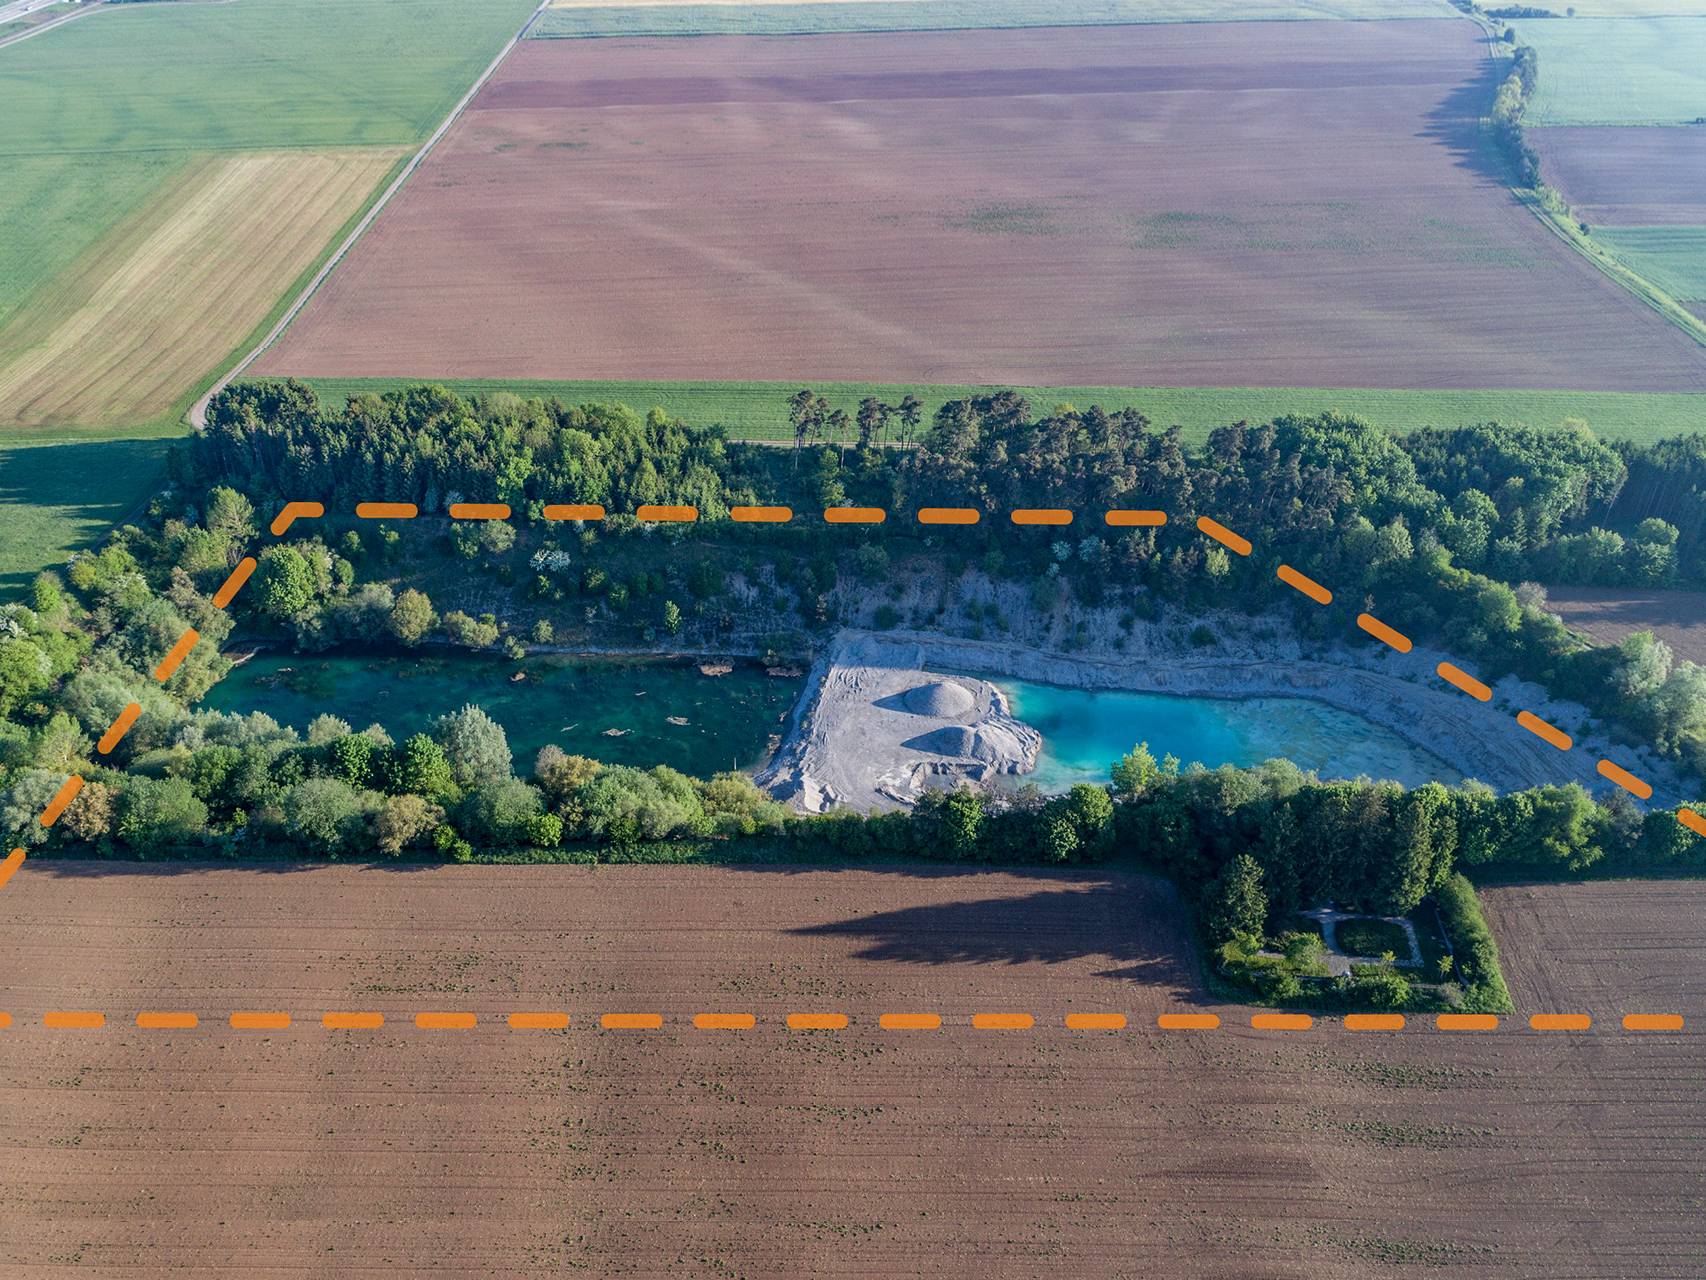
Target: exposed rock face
[[876, 731], [860, 738]]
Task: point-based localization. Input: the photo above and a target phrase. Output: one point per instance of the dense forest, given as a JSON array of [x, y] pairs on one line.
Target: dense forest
[[1416, 523], [1450, 531]]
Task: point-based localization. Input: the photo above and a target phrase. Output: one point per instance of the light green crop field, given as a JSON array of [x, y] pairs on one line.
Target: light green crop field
[[103, 119], [574, 18], [758, 410], [1617, 70], [1673, 258], [102, 111]]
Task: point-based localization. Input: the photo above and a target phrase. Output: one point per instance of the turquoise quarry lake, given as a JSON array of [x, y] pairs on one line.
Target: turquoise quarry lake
[[1084, 732], [571, 702], [731, 720]]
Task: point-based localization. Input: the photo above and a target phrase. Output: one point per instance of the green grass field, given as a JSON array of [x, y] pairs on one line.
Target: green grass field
[[757, 410], [938, 15], [1673, 258], [104, 113], [1617, 70], [100, 112], [58, 496]]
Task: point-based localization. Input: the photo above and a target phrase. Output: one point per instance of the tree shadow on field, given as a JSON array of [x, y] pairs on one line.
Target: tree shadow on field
[[1455, 124], [72, 864], [1134, 923], [55, 498]]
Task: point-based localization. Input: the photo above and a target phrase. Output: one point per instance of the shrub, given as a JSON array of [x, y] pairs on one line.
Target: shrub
[[1477, 955], [155, 815]]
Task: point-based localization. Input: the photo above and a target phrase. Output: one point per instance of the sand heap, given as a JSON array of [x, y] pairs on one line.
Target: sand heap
[[876, 731], [942, 699]]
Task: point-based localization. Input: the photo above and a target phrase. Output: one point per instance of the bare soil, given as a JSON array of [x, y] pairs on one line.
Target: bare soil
[[1239, 204], [1609, 947], [1627, 177], [759, 1153], [1608, 614]]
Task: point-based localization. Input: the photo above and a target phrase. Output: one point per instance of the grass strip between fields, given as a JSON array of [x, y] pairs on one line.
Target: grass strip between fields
[[758, 410]]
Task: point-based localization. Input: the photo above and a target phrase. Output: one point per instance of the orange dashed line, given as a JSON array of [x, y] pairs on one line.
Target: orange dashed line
[[1003, 1021], [761, 515], [1380, 631], [1693, 821], [234, 583], [631, 1021], [817, 1021], [1374, 1022], [1464, 681], [1221, 534], [724, 1021], [65, 795], [259, 1020], [1652, 1022], [1121, 518], [1466, 1022], [854, 515], [291, 512], [119, 727], [653, 513], [573, 511], [540, 1020], [1188, 1021], [446, 1021], [387, 510], [1628, 781], [353, 1021], [1560, 1022], [481, 510], [1545, 732], [1042, 515], [1281, 1021], [9, 867], [909, 1021], [949, 515], [74, 1020], [175, 659], [1095, 1021], [1302, 582], [167, 1021]]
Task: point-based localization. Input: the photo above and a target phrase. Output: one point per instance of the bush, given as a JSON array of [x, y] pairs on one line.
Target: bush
[[327, 816], [1475, 952], [502, 813], [155, 816]]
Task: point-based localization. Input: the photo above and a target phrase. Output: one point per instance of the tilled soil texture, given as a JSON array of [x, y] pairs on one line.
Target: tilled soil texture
[[1627, 177], [768, 1152], [1610, 947], [1608, 614], [1244, 204]]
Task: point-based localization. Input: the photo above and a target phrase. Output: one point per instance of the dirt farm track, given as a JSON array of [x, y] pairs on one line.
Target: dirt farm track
[[766, 1152], [1238, 204]]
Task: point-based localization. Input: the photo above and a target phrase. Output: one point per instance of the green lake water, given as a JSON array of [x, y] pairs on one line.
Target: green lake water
[[1084, 732], [570, 702]]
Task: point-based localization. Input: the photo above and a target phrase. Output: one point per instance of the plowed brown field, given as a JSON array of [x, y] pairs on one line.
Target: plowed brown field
[[1221, 205], [1607, 614], [767, 1152], [1628, 177]]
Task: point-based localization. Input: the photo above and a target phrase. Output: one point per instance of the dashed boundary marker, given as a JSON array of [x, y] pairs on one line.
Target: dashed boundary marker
[[562, 1020], [1118, 518]]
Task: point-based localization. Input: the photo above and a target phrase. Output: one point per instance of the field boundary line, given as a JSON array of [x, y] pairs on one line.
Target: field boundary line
[[198, 411], [1197, 1019], [93, 6], [293, 511]]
